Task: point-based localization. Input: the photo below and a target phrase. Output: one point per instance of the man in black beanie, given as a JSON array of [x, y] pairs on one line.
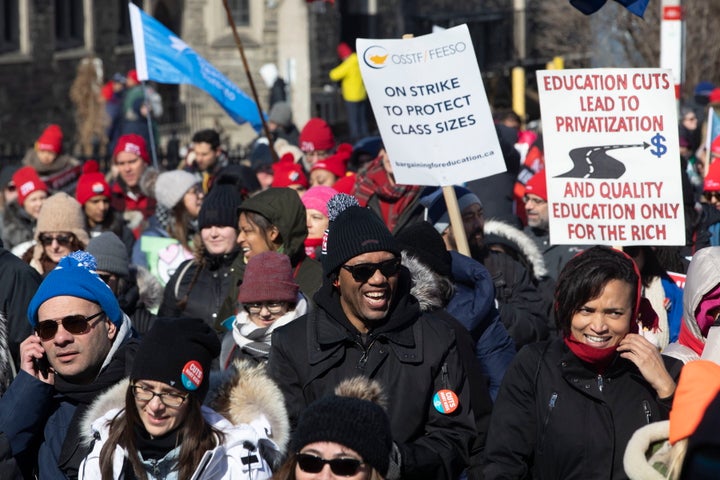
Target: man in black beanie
[[367, 323]]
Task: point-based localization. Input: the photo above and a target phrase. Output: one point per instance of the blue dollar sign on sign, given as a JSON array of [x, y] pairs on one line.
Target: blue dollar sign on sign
[[658, 142]]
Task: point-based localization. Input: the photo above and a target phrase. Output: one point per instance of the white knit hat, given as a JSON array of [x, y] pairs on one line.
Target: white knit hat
[[171, 186]]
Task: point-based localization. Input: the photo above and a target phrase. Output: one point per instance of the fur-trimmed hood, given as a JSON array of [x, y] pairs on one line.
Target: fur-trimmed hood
[[425, 284], [149, 287], [250, 396], [247, 397], [520, 242]]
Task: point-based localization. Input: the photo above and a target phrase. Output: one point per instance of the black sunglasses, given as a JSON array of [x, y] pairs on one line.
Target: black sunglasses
[[62, 239], [362, 272], [75, 324], [344, 467]]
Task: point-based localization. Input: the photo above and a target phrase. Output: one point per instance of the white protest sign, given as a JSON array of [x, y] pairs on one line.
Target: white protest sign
[[431, 108], [612, 156]]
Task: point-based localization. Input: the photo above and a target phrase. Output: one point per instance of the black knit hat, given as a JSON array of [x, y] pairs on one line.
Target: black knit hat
[[423, 242], [219, 208], [353, 231], [179, 352], [360, 425]]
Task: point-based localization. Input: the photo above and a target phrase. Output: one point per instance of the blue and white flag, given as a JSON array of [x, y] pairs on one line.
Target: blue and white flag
[[162, 56]]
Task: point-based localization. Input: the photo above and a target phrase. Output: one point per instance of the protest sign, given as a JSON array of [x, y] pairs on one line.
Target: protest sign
[[612, 157], [431, 108]]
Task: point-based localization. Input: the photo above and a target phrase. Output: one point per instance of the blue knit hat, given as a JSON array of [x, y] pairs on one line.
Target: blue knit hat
[[76, 276]]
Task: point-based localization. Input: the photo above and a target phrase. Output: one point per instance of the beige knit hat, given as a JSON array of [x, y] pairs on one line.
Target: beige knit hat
[[60, 213]]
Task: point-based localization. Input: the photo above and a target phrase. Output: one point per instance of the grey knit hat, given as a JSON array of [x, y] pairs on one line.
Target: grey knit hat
[[110, 254], [170, 187]]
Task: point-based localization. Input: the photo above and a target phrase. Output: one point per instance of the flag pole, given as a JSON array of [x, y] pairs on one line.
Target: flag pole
[[238, 42]]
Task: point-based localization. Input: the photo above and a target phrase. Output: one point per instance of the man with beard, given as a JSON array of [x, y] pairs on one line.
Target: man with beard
[[538, 226], [367, 323], [520, 302]]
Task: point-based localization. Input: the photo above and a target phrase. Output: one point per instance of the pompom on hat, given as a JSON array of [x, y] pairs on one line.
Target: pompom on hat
[[268, 277], [91, 183], [76, 276], [178, 352], [316, 135], [537, 185], [27, 181], [51, 139], [286, 173], [132, 143]]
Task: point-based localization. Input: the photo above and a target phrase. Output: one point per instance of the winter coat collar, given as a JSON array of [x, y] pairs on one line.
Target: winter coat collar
[[329, 328]]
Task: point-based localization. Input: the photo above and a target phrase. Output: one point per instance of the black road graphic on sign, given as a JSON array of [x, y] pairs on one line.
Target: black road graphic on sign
[[594, 162]]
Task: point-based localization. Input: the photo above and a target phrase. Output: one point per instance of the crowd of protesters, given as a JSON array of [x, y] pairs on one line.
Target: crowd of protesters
[[311, 316]]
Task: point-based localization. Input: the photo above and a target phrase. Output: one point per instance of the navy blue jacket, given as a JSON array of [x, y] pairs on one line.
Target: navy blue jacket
[[473, 305]]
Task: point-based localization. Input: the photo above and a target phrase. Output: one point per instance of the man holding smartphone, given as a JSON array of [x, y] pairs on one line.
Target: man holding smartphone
[[81, 346]]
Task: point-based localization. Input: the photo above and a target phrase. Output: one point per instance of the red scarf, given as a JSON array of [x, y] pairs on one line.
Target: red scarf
[[689, 340], [394, 199], [311, 245], [598, 358]]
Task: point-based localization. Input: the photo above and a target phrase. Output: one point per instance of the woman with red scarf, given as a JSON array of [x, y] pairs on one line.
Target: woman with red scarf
[[567, 407]]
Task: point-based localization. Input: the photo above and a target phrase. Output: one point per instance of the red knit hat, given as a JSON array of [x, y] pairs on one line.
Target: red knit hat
[[132, 143], [27, 181], [51, 139], [286, 172], [712, 179], [133, 75], [316, 135], [267, 277], [346, 184], [344, 50], [335, 164], [91, 183], [537, 185]]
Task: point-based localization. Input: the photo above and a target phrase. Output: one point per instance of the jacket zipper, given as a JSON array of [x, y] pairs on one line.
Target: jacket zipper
[[366, 353], [647, 411], [600, 382], [445, 376], [548, 414]]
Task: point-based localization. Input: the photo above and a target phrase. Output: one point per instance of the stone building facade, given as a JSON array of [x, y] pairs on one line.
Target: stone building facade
[[41, 49]]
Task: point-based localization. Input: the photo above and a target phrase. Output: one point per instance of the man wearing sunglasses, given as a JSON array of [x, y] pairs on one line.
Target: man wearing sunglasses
[[367, 323], [80, 346]]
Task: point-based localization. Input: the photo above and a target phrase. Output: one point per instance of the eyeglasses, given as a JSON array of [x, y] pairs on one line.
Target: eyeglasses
[[344, 467], [75, 324], [712, 195], [535, 200], [63, 240], [362, 272], [169, 399], [273, 307]]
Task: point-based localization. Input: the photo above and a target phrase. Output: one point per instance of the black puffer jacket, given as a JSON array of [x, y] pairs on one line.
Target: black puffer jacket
[[204, 282], [556, 418], [412, 355]]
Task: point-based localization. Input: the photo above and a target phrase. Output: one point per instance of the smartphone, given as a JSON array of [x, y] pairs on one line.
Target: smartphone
[[42, 365]]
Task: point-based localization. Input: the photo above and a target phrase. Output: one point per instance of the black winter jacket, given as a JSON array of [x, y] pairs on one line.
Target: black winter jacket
[[556, 418], [412, 355]]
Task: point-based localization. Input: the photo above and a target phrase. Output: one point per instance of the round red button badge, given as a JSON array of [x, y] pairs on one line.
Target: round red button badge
[[445, 401]]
